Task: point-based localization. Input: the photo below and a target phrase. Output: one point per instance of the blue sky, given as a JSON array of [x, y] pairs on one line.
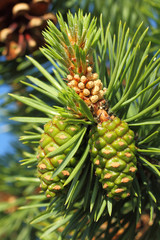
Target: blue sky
[[6, 137]]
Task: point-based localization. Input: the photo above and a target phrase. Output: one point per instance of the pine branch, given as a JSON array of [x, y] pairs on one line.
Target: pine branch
[[132, 94]]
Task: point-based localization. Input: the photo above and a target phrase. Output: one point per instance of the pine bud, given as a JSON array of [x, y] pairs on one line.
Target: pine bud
[[104, 90], [90, 84], [94, 98], [76, 89], [86, 92], [73, 83], [77, 77], [95, 90], [81, 85], [83, 79], [89, 69], [98, 83], [100, 94], [69, 77], [94, 76]]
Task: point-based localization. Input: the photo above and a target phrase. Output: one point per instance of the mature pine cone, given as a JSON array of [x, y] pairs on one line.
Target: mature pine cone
[[21, 24]]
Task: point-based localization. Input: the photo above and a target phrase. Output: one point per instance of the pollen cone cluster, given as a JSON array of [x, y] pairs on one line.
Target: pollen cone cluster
[[56, 133], [88, 86], [113, 155]]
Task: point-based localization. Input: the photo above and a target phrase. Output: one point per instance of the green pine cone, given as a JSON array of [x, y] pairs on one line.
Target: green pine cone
[[113, 155], [56, 133]]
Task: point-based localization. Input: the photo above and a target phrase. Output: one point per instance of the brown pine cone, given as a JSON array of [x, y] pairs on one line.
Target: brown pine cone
[[21, 25]]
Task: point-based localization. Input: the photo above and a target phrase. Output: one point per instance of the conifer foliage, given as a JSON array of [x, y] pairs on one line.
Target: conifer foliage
[[96, 143]]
